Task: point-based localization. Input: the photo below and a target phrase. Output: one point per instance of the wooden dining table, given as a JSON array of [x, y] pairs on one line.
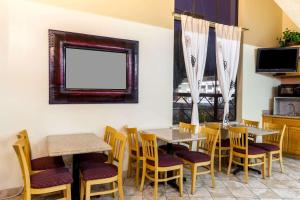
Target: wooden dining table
[[75, 144]]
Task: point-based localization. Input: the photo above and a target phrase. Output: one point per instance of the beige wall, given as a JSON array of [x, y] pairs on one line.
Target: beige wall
[[264, 19], [288, 23], [24, 79], [154, 12]]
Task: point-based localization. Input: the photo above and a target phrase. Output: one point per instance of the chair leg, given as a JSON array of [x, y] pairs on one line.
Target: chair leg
[[281, 162], [264, 167], [129, 167], [27, 195], [81, 189], [270, 164], [87, 191], [194, 178], [120, 188], [230, 162], [165, 176], [246, 169], [212, 173], [68, 192], [155, 184], [220, 160], [137, 172], [143, 177], [113, 185], [181, 181]]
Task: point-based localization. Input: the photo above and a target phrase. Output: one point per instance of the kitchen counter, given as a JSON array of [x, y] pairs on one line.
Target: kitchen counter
[[282, 116]]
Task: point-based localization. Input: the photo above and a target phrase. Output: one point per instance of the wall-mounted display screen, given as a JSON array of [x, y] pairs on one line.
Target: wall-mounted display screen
[[86, 69], [277, 60], [94, 69]]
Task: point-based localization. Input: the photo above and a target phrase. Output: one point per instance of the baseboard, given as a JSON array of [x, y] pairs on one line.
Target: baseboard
[[11, 192]]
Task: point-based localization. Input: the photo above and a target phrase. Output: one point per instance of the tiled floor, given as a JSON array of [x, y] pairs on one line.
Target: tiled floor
[[279, 186]]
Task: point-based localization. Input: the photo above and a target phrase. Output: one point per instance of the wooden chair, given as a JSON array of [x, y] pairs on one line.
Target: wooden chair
[[95, 173], [159, 163], [239, 148], [205, 159], [99, 156], [273, 145], [135, 153], [190, 128], [184, 127], [42, 163], [44, 182], [223, 145], [250, 123]]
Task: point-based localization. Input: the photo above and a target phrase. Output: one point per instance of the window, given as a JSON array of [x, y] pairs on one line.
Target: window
[[211, 103]]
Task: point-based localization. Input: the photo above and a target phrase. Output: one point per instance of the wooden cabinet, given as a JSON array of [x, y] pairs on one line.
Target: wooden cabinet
[[294, 140], [291, 140]]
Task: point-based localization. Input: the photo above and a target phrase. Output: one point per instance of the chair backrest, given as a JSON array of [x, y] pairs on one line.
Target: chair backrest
[[118, 149], [250, 123], [19, 148], [216, 126], [133, 142], [275, 139], [149, 145], [185, 127], [238, 138], [27, 150], [109, 134], [211, 137]]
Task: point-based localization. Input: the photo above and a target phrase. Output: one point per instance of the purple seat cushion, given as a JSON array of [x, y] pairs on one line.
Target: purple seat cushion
[[165, 160], [176, 147], [193, 156], [95, 157], [224, 143], [92, 171], [44, 163], [252, 150], [267, 147], [50, 178]]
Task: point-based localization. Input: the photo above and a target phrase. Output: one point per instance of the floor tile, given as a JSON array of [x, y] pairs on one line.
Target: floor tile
[[286, 193], [265, 193]]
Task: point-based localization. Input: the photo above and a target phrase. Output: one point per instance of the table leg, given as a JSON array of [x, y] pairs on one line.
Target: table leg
[[172, 183], [76, 181], [240, 168]]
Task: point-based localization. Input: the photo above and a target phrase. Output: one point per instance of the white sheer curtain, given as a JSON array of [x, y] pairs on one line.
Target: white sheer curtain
[[194, 42], [228, 41]]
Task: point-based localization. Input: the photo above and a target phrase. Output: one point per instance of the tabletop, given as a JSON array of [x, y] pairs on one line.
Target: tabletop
[[69, 144], [258, 131], [174, 135]]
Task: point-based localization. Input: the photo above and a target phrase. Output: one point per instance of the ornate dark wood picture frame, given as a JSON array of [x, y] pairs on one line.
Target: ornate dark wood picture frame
[[60, 94]]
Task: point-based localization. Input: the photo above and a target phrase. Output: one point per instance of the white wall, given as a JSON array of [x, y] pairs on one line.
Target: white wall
[[256, 91], [24, 79]]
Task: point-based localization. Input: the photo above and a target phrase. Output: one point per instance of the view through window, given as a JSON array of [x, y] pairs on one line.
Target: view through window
[[211, 103]]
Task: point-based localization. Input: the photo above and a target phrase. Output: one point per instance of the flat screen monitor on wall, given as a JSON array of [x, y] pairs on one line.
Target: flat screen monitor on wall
[[277, 60], [94, 69]]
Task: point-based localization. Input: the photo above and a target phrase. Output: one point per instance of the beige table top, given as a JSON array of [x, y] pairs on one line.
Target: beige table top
[[69, 144], [257, 131], [174, 135]]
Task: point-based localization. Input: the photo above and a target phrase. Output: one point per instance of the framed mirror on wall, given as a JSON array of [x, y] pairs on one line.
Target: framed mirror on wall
[[92, 69]]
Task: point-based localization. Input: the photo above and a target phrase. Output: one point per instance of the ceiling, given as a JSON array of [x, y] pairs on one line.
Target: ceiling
[[291, 8]]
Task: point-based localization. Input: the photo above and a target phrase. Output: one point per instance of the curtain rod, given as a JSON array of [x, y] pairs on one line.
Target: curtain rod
[[177, 16]]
